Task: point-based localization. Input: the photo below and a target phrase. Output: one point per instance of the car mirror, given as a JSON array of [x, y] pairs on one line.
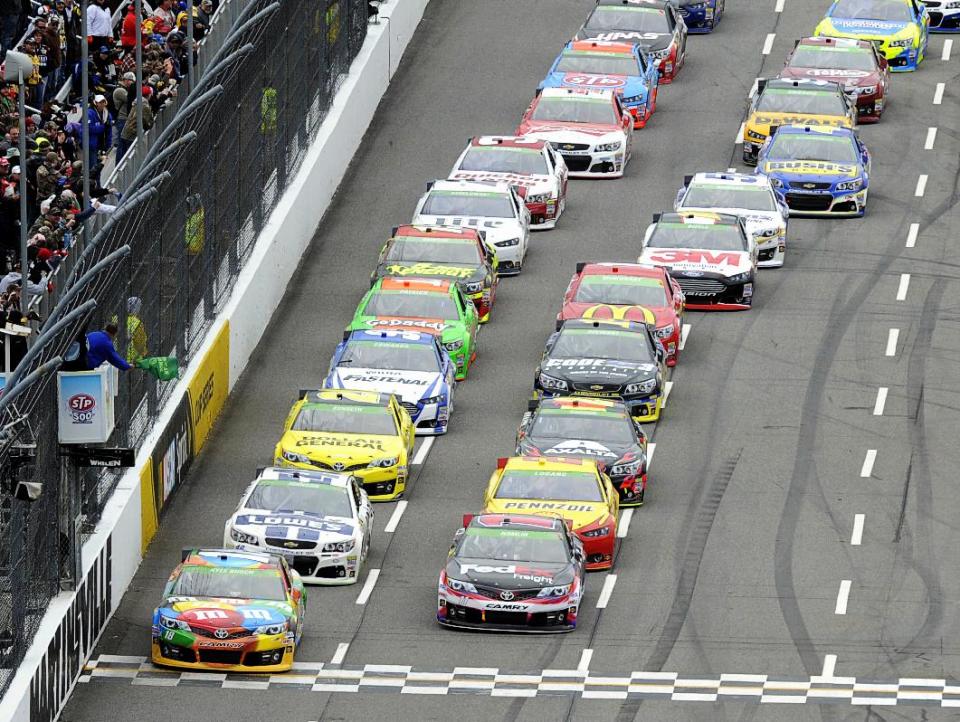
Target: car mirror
[[679, 198]]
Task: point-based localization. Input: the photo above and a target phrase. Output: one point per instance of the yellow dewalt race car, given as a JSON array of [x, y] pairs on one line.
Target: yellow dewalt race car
[[573, 489], [364, 433], [800, 101]]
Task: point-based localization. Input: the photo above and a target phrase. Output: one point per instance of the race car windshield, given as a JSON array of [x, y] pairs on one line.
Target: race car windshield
[[725, 196], [815, 56], [553, 485], [603, 428], [593, 343], [814, 102], [893, 10], [468, 203], [345, 419], [649, 20], [695, 235], [226, 583], [805, 146], [575, 110], [505, 160], [393, 356], [408, 304], [598, 63], [513, 545], [620, 291], [426, 250], [322, 499]]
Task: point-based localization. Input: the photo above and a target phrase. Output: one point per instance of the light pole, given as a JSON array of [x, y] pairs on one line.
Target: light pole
[[138, 4], [190, 6], [85, 102], [17, 67]]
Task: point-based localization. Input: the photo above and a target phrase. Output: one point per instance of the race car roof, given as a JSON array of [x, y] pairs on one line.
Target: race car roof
[[384, 336], [507, 141], [554, 463], [420, 231], [347, 397], [846, 43], [699, 218], [739, 179], [584, 405], [304, 476], [598, 47], [428, 285], [821, 129], [640, 270], [577, 93], [469, 186]]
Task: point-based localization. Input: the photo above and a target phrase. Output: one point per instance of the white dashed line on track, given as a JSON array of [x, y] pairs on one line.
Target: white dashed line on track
[[912, 235], [931, 139], [903, 287], [938, 93], [340, 654], [585, 657], [947, 47], [857, 536], [651, 447], [829, 664], [667, 388], [395, 517], [424, 449], [368, 585], [892, 337], [866, 471], [921, 186], [684, 334], [623, 526], [842, 597], [608, 584], [736, 141], [768, 43], [779, 6], [881, 401]]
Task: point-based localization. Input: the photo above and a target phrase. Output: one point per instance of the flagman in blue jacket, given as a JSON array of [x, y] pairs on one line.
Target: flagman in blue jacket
[[100, 349]]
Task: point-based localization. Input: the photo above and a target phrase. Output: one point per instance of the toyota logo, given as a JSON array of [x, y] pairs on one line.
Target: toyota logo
[[221, 633], [506, 596], [339, 466]]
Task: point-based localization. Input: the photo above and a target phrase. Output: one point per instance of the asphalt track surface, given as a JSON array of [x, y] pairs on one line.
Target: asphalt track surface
[[736, 563]]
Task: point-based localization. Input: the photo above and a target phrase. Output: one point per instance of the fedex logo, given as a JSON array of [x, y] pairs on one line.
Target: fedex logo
[[708, 258]]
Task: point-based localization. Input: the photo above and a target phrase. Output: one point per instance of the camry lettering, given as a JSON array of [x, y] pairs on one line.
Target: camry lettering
[[507, 607], [704, 257]]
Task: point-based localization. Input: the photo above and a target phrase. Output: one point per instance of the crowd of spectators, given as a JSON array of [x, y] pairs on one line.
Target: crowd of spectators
[[51, 33]]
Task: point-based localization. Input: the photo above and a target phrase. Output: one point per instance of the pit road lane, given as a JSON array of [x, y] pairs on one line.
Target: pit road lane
[[735, 562]]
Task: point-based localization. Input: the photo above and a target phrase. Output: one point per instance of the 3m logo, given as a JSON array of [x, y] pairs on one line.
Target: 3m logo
[[707, 258]]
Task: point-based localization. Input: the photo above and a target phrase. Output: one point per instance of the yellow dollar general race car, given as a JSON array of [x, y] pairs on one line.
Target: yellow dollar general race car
[[363, 433], [571, 488], [899, 28], [799, 101]]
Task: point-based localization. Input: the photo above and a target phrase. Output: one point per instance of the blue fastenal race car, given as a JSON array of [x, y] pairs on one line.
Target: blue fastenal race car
[[899, 28], [622, 67], [412, 365], [700, 16], [817, 170]]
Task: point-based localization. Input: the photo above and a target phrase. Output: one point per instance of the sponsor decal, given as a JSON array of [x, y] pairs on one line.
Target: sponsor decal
[[515, 607], [865, 23], [526, 180], [578, 446], [429, 269], [706, 258], [207, 390], [406, 323], [547, 506], [82, 407], [806, 166], [784, 119], [594, 81], [626, 35], [384, 378], [471, 222], [294, 521], [353, 443], [604, 311], [835, 73], [213, 644]]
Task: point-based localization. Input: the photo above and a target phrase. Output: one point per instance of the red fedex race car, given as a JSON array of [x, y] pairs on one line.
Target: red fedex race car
[[623, 292]]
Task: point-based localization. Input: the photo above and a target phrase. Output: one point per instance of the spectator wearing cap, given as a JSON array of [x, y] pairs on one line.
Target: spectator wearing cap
[[48, 44], [175, 62], [99, 24], [136, 331], [104, 67], [129, 132], [29, 47], [101, 129], [122, 98], [47, 175], [203, 20], [71, 20]]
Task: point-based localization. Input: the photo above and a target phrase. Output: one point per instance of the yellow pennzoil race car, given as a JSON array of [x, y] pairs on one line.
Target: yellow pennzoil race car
[[364, 433], [571, 488]]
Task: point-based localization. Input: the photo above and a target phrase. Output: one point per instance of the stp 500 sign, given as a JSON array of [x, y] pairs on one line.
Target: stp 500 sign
[[82, 408]]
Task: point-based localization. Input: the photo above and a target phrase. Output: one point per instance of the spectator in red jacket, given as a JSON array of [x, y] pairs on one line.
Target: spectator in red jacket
[[128, 31]]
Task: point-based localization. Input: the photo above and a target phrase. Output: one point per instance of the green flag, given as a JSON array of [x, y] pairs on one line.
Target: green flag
[[165, 368]]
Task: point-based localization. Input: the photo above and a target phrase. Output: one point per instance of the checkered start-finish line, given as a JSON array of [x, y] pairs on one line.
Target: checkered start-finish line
[[321, 677]]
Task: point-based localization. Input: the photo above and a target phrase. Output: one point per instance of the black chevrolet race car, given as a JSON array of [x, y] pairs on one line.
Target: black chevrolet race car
[[600, 429], [604, 359], [512, 573]]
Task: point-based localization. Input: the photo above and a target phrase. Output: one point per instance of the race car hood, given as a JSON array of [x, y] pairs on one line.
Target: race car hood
[[294, 525], [426, 269], [599, 370], [847, 79], [865, 28], [579, 513], [336, 448], [628, 85], [434, 326], [228, 614], [725, 263], [561, 132], [762, 121], [604, 452], [410, 386], [576, 309], [532, 183], [510, 575], [496, 229], [812, 170], [643, 38]]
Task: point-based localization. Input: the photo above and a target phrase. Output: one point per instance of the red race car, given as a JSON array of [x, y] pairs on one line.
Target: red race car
[[628, 292], [855, 65]]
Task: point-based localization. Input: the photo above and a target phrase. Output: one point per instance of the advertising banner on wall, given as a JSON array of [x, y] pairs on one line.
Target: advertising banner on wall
[[85, 405]]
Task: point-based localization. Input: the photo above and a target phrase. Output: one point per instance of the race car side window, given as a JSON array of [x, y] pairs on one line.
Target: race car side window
[[671, 18], [640, 59], [355, 488], [396, 418], [551, 163]]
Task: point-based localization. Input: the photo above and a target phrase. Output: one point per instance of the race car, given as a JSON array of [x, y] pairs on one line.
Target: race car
[[628, 292], [856, 65], [818, 170], [320, 522], [411, 365], [944, 15], [749, 196], [364, 433], [899, 28], [573, 488], [431, 305], [443, 252], [700, 16], [229, 611], [599, 429], [710, 255], [590, 128], [655, 25], [530, 165], [621, 67], [493, 208], [512, 573], [801, 102], [604, 359]]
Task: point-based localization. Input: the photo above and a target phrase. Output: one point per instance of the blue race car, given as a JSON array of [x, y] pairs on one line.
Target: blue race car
[[899, 28], [701, 16], [412, 365], [817, 170], [621, 67]]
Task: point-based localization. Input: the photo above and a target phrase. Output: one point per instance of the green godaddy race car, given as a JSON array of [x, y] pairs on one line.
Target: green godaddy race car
[[430, 305]]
